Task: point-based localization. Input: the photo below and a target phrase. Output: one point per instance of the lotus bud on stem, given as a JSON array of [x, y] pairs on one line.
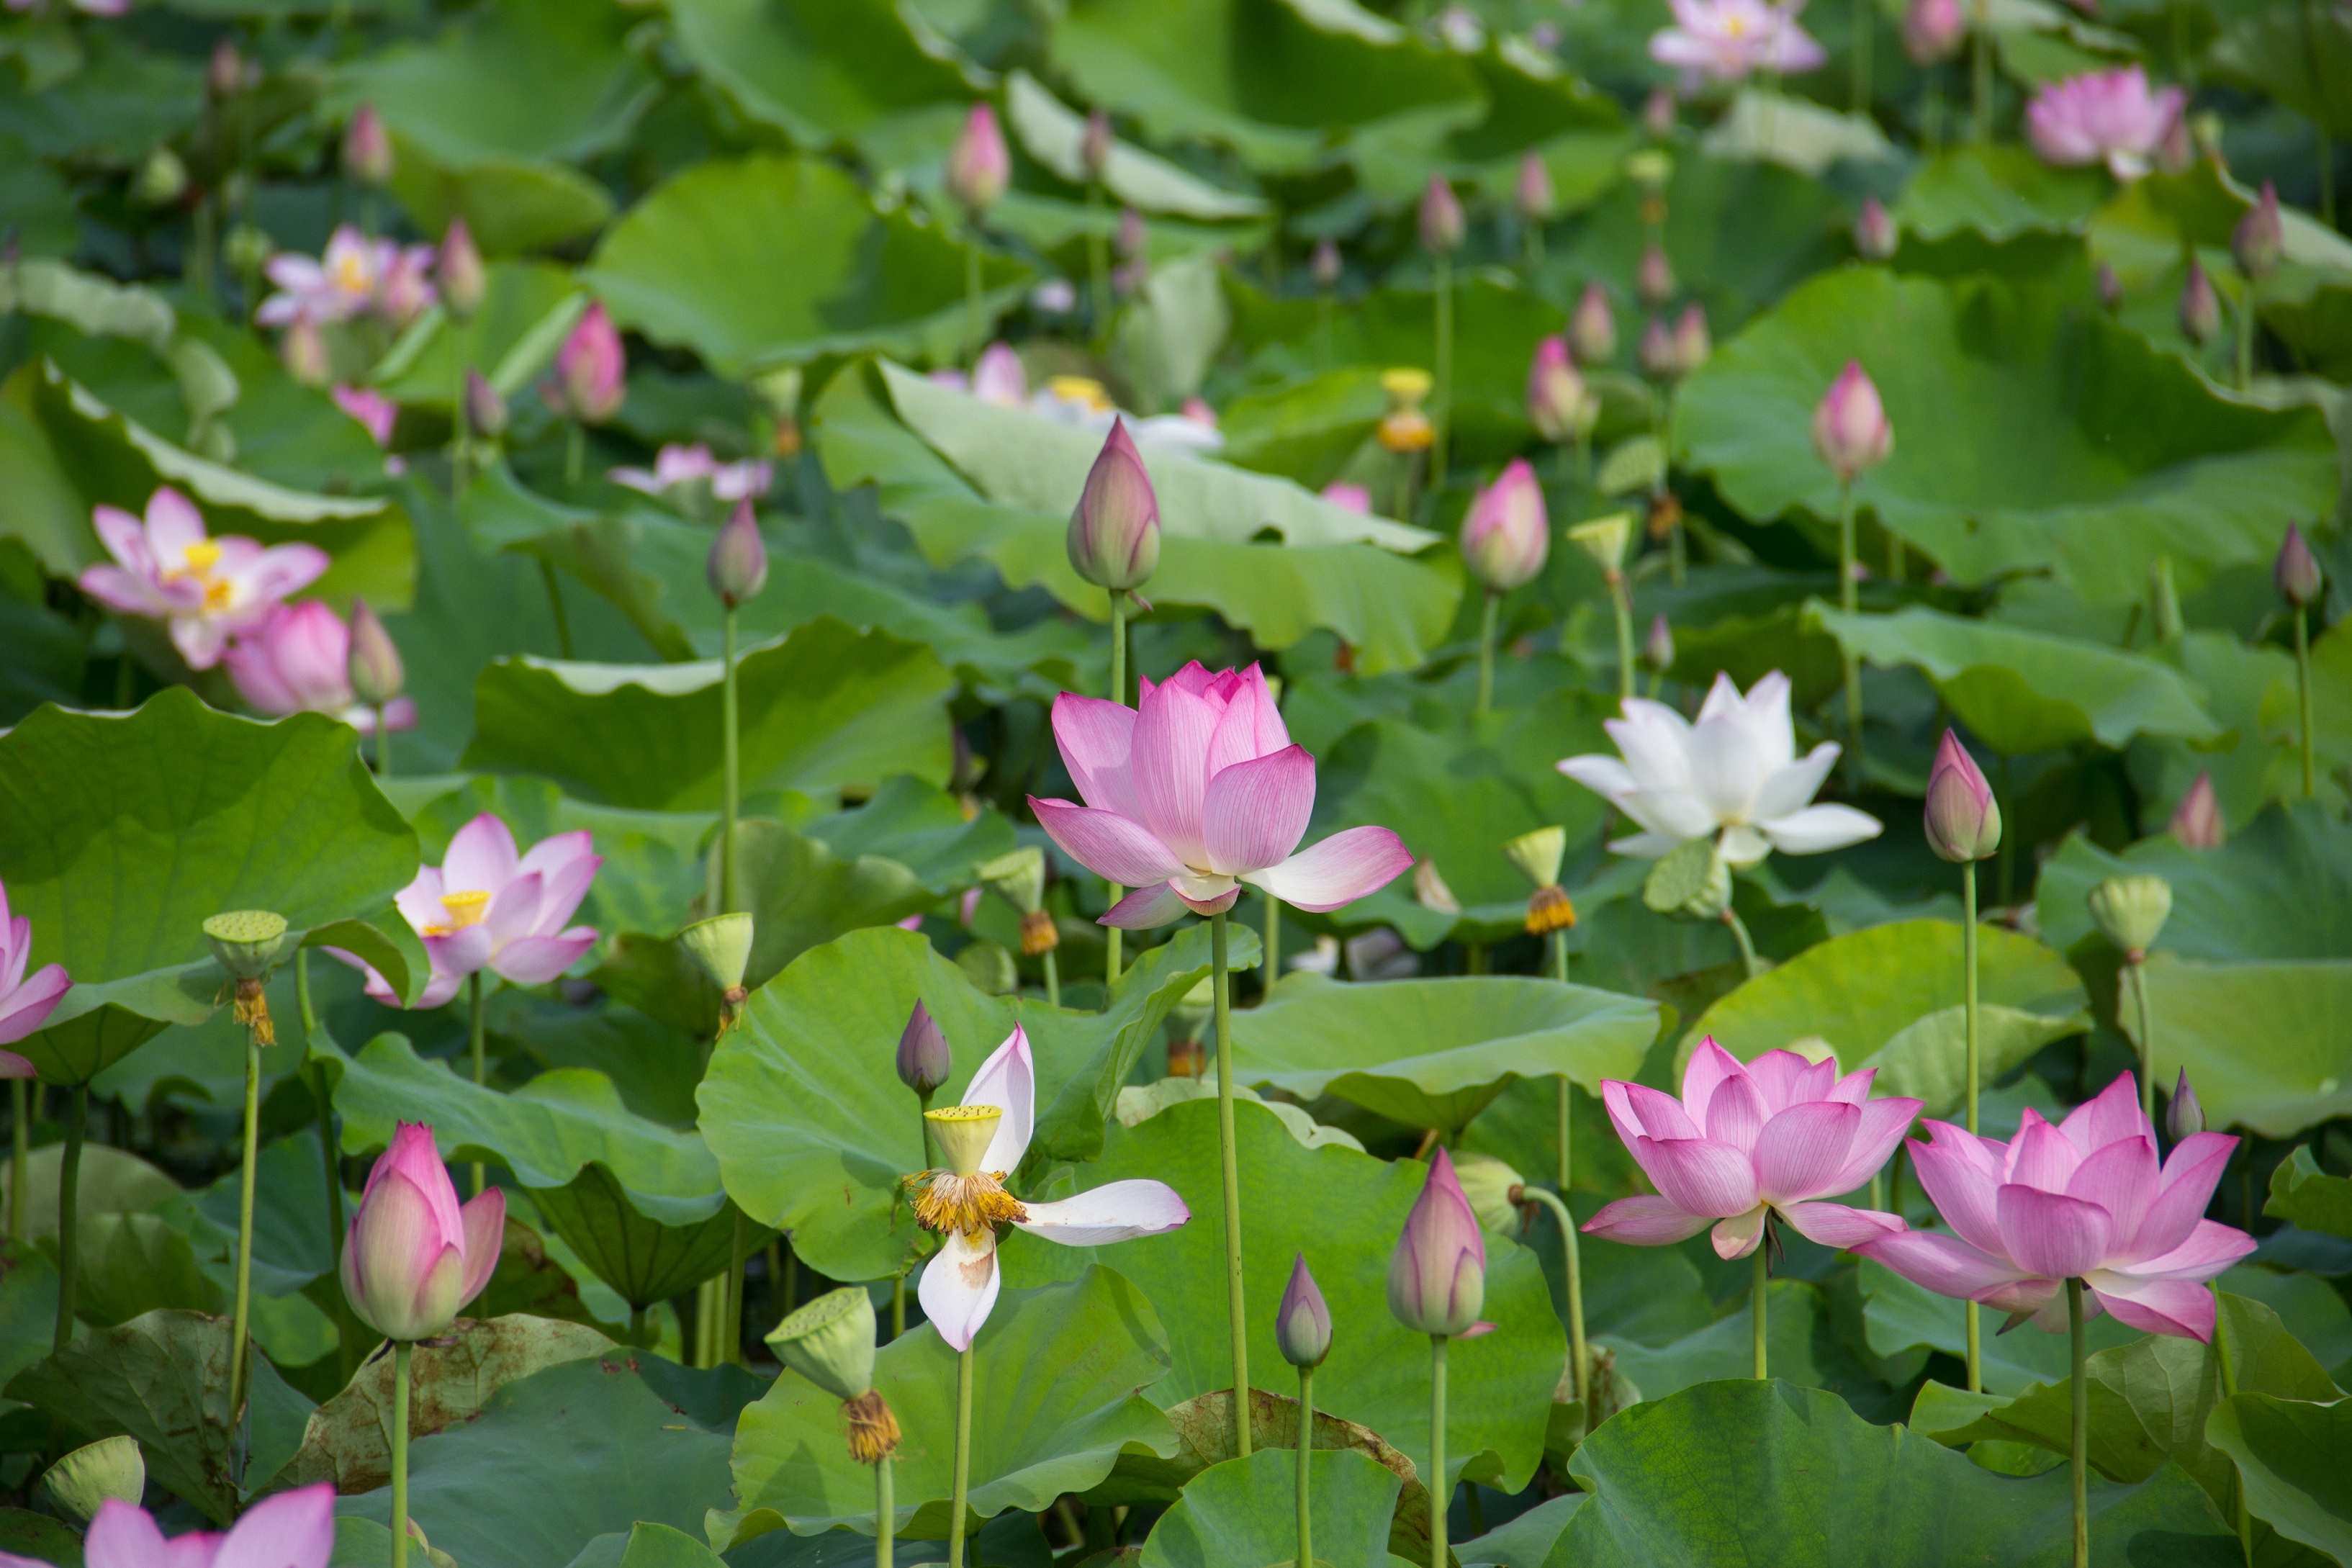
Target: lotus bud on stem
[[1850, 436], [1440, 235], [2130, 911], [1963, 826], [979, 169], [1437, 1284], [1302, 1331], [1505, 539], [247, 944], [830, 1342], [2300, 583]]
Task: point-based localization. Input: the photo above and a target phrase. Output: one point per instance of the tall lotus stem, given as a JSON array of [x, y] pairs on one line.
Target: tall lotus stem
[[1273, 941], [1968, 992], [1850, 601], [69, 1212], [2301, 583], [1761, 1291], [1580, 1360], [2138, 972], [972, 312], [1863, 17], [1221, 987], [1486, 650], [547, 573], [730, 721], [2082, 1401], [401, 1351], [236, 1353], [1444, 369], [382, 744], [246, 945], [2303, 695], [1440, 1493], [2243, 1522], [1113, 935], [481, 1052], [886, 1514], [1306, 1448], [1620, 602], [1098, 264], [742, 1251], [963, 1488], [1980, 73]]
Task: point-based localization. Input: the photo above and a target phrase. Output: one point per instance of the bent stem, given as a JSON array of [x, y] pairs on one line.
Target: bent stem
[[1850, 601], [400, 1355], [1221, 987], [1487, 651], [69, 1212], [1578, 1360], [2137, 970], [481, 1059], [731, 764], [1752, 965], [237, 1351], [1112, 934], [1306, 1445], [1761, 1289], [2302, 693], [1968, 994], [959, 1506], [1440, 1493], [2082, 1391], [886, 1513]]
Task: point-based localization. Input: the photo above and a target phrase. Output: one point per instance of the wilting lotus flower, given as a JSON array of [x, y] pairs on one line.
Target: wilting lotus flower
[[2085, 1200], [1440, 218], [299, 661], [342, 284], [1195, 791], [1932, 30], [207, 589], [998, 378], [1728, 39], [292, 1530], [413, 1257], [1734, 775], [1559, 406], [1850, 428], [591, 369], [2108, 117], [26, 1003], [982, 1138], [2197, 821], [1505, 536], [1592, 329], [677, 464], [978, 167], [1437, 1276], [1779, 1133], [1114, 534]]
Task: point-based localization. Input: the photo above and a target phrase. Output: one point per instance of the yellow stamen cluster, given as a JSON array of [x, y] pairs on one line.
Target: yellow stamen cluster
[[201, 558], [1665, 514], [1549, 911], [1407, 431], [971, 1203], [465, 910], [1037, 933], [873, 1430], [253, 1012]]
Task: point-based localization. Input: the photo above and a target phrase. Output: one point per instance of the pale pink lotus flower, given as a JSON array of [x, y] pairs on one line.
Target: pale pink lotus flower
[[1354, 497], [413, 1257], [1933, 30], [998, 378], [1778, 1134], [960, 1285], [485, 906], [25, 1002], [1196, 790], [293, 1528], [2087, 1200], [590, 370], [1734, 775], [342, 283], [1726, 40], [1505, 536], [168, 569], [377, 413], [678, 464], [2110, 117], [299, 661]]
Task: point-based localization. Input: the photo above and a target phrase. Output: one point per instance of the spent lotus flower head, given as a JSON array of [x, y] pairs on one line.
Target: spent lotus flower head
[[999, 378], [2201, 308], [208, 590], [293, 1528], [2296, 573], [1963, 819], [1195, 791], [2085, 1199], [1532, 192], [1559, 406], [414, 1257], [979, 166], [1779, 1134], [2196, 822], [1733, 776], [2184, 1117], [1114, 534], [1302, 1325], [463, 279], [1437, 1276], [738, 565], [1440, 218], [982, 1138], [367, 147], [26, 1000], [591, 369], [2259, 242], [346, 280], [1875, 238], [1505, 536], [299, 661], [2106, 116], [1593, 327], [1726, 40], [924, 1061]]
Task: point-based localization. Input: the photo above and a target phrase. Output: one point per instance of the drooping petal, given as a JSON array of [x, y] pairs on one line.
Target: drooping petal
[[1114, 848], [1738, 1236], [1819, 828], [2175, 1307], [119, 590], [2050, 1233], [291, 1529], [485, 1219], [1344, 868], [2211, 1248], [1644, 1221], [481, 858], [1255, 812], [1008, 1081], [1839, 1224], [1115, 1211], [1704, 1177], [1801, 1150], [1170, 766], [1150, 906], [536, 959], [960, 1285], [1095, 738], [1944, 1264], [1963, 1190]]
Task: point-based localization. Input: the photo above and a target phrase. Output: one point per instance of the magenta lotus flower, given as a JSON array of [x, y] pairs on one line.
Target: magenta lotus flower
[[1114, 534], [342, 283], [2108, 117], [291, 1529], [25, 1002], [2085, 1200], [300, 662], [207, 589], [414, 1257], [979, 166], [1775, 1135], [1850, 430], [1437, 1276], [1302, 1324], [1726, 40], [1195, 791], [1505, 536], [590, 370]]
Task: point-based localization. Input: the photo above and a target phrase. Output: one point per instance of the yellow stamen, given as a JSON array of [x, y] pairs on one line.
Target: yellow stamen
[[970, 1204], [1548, 909], [873, 1430], [1037, 933], [217, 594], [465, 910], [202, 556], [1083, 389]]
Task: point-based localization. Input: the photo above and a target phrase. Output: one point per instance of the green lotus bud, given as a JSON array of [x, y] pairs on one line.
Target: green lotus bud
[[1492, 1188], [830, 1342], [83, 1481], [247, 941], [1604, 540], [2131, 912], [721, 945]]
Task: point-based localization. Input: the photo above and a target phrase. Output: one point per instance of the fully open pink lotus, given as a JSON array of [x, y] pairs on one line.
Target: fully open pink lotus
[[2085, 1200], [168, 569], [2111, 117], [1195, 791], [414, 1257], [291, 1529]]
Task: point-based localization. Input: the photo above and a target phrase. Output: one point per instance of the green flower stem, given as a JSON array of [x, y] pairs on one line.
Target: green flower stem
[[886, 1513], [575, 456], [457, 441], [400, 1355], [1579, 1361], [556, 599], [2137, 969], [1486, 650], [1863, 18], [1559, 972], [2246, 336], [1221, 987], [481, 1057], [731, 764], [637, 1326], [972, 312], [1968, 996], [237, 1351], [1323, 330], [382, 744], [1098, 266], [1439, 1494], [1112, 935], [2243, 1523], [1850, 601], [959, 1505], [1752, 965], [734, 1351], [68, 1210], [1761, 1290], [2082, 1390], [1054, 982], [20, 1153], [1620, 602], [898, 1306], [1584, 459], [1273, 943], [2302, 694], [1444, 411], [1305, 1557]]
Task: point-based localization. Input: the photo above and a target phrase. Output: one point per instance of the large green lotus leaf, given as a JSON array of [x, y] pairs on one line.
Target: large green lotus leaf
[[544, 1131], [2268, 1044], [1278, 83], [2249, 691], [812, 1128], [1802, 1344], [2301, 59], [2000, 193], [822, 71], [1888, 997], [922, 828], [2019, 690], [284, 432], [526, 309], [644, 1261], [1434, 1053], [1246, 1511], [1525, 1542], [1792, 132], [120, 835], [827, 709], [2281, 889], [513, 205], [1392, 610], [1898, 1316], [109, 1181], [1305, 430], [2289, 1453], [1054, 136], [1057, 1397], [125, 101], [1743, 1470], [2113, 453], [2308, 1197], [551, 1461], [695, 264], [1343, 1210]]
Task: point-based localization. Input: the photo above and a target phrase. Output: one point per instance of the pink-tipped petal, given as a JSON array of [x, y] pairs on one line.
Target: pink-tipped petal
[[13, 1065], [1170, 766], [123, 1535], [1008, 1081], [2121, 1178], [413, 1155], [1709, 1064], [960, 1285], [1735, 1114], [1708, 1178], [2189, 1177], [481, 858], [1250, 727], [1095, 738], [2111, 1113], [1115, 1211], [1962, 1191], [1114, 848], [1148, 906], [28, 1006], [1802, 1150], [1255, 812], [536, 959], [1944, 1264], [2211, 1248], [2041, 1156], [1335, 873], [1656, 1114], [1644, 1221], [485, 1220], [557, 851], [1780, 1079], [292, 1530], [2050, 1235], [1838, 1226], [561, 890], [2175, 1307]]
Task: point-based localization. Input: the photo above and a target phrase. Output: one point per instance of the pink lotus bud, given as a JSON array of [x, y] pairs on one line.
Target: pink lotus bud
[[999, 378], [738, 567], [1326, 265], [2297, 573], [1437, 1278], [1559, 406], [404, 291], [1657, 351], [367, 147], [1355, 498], [1658, 114], [1506, 535], [485, 411], [924, 1061], [1850, 427], [376, 675], [1658, 648], [1534, 193], [1875, 238], [462, 277], [1654, 277], [1963, 820], [295, 661], [2201, 308], [2184, 1117], [1114, 538], [1132, 235], [2111, 289], [224, 72], [414, 1257], [2196, 822], [1933, 30], [1095, 145], [1302, 1326], [979, 168], [303, 352], [1592, 329], [2259, 242], [590, 369], [1693, 346], [1441, 218]]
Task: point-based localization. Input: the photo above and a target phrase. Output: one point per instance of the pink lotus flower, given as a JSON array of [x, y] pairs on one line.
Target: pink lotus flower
[[405, 291], [377, 413], [342, 283], [1355, 498], [1195, 791], [300, 662], [591, 369], [998, 378], [1777, 1135], [1933, 30], [292, 1530], [1507, 536], [2085, 1200], [2107, 117], [207, 589], [25, 1003], [1728, 39], [413, 1257], [677, 464]]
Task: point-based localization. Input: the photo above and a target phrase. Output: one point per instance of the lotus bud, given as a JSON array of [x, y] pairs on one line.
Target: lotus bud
[[375, 667], [738, 566], [303, 352], [367, 147], [978, 167], [1506, 535], [1019, 879], [2184, 1117], [1963, 819], [1658, 646], [1094, 146], [1113, 535], [223, 77], [459, 271], [2131, 912], [1933, 29], [111, 1469], [1326, 264], [1533, 193], [1302, 1326], [1132, 235], [721, 947], [1653, 277], [2259, 242], [1430, 891], [1440, 218], [248, 247], [2296, 573], [924, 1061], [591, 369], [2163, 600], [1656, 350], [1437, 1277], [1593, 327], [2201, 308], [1405, 427], [1693, 346], [1604, 539], [485, 411], [1493, 1190], [2196, 822], [1875, 238], [2111, 289], [413, 1257], [2177, 149], [830, 1342], [1658, 114], [1559, 406], [1850, 430], [161, 180]]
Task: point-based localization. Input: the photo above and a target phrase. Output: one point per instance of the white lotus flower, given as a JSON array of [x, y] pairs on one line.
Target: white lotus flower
[[1734, 775], [982, 1139]]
